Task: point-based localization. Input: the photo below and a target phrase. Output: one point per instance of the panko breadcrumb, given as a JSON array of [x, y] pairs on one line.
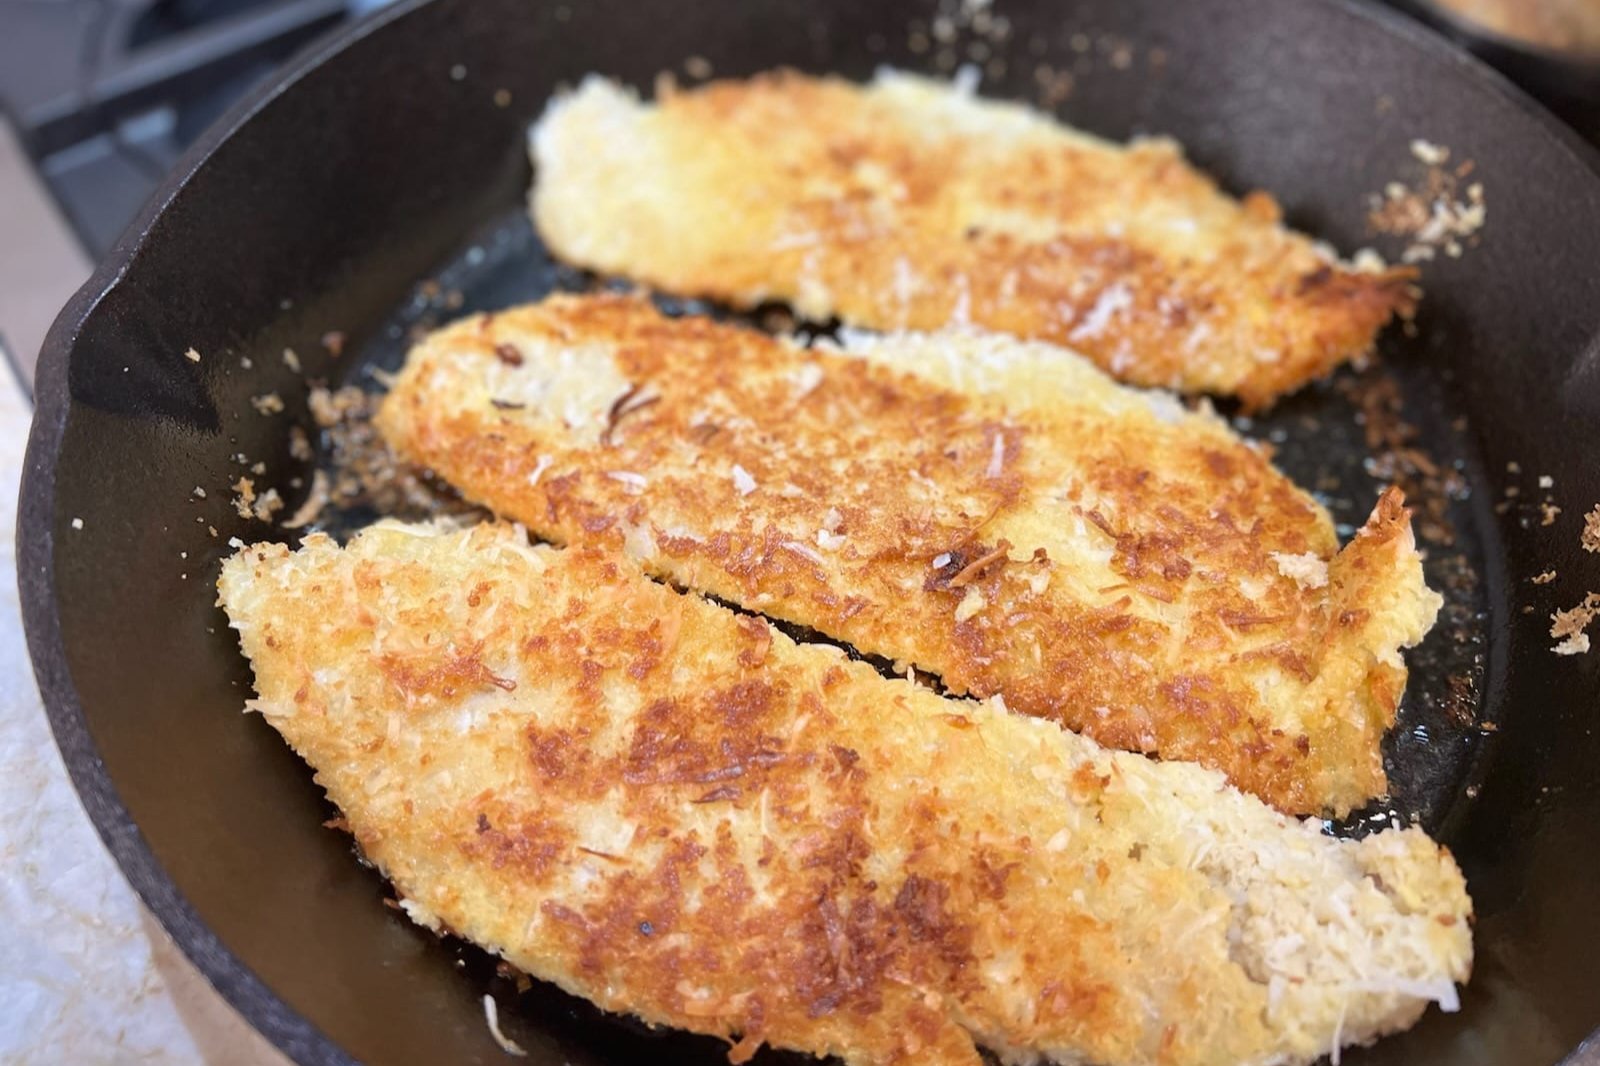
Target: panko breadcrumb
[[679, 814], [269, 403], [998, 513], [912, 204], [1567, 627]]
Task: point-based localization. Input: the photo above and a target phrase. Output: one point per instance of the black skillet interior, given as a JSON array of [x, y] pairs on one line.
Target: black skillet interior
[[397, 155]]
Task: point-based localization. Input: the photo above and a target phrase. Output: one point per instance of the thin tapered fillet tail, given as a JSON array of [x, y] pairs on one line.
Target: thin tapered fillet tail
[[907, 203], [998, 513], [677, 813]]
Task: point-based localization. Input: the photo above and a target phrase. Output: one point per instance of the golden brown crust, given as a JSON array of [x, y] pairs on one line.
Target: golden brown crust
[[906, 204], [1098, 556], [680, 814]]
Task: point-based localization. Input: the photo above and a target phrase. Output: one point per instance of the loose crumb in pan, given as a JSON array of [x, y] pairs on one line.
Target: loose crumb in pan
[[964, 30], [491, 1014], [1438, 214], [1427, 152], [248, 504], [244, 498], [267, 404], [507, 972], [1398, 457], [1054, 85], [1567, 627], [1461, 700], [269, 504], [361, 471], [315, 501], [192, 355]]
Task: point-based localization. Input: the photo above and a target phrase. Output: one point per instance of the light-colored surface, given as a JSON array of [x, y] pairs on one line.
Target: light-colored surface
[[86, 976], [40, 260]]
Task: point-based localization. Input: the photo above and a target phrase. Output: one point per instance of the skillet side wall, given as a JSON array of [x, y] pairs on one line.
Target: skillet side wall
[[323, 211]]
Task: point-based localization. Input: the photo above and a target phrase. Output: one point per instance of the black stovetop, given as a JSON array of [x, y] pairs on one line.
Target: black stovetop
[[105, 94]]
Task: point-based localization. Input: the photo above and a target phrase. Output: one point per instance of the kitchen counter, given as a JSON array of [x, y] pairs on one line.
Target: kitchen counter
[[86, 975]]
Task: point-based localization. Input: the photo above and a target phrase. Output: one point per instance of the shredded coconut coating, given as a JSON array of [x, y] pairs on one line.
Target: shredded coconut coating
[[678, 813], [999, 514], [912, 204]]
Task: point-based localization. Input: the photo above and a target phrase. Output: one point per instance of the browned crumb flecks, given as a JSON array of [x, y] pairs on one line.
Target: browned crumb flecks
[[680, 814], [1567, 627], [1443, 213], [365, 473], [1398, 455], [911, 204], [996, 513]]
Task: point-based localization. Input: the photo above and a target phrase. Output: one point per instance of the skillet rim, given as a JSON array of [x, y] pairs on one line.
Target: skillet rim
[[285, 1028]]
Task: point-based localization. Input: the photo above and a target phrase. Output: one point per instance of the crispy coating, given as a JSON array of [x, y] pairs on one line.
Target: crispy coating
[[677, 813], [910, 204], [1005, 517]]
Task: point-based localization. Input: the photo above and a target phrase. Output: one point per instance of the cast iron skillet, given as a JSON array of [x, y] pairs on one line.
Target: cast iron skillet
[[391, 154]]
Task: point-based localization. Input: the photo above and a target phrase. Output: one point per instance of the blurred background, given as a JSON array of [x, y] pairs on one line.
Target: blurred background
[[99, 98]]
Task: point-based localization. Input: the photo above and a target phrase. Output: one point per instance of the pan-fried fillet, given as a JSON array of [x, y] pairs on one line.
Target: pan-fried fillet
[[1008, 519], [677, 813], [910, 204]]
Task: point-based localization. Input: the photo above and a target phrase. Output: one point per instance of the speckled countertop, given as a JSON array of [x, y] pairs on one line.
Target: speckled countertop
[[86, 975]]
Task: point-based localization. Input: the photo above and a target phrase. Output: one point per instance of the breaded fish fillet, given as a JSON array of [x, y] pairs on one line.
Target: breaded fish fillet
[[910, 204], [1007, 518], [676, 812]]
